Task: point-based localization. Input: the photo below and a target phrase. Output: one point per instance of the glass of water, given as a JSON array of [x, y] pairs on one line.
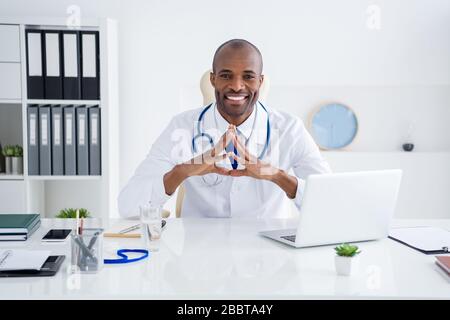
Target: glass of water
[[151, 220]]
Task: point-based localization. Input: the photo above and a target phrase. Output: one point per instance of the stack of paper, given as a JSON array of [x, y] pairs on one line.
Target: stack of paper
[[429, 240], [22, 259]]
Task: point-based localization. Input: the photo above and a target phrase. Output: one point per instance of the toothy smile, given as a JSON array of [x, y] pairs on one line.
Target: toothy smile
[[235, 97]]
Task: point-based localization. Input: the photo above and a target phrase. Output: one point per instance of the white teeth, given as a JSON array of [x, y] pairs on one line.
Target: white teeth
[[239, 98]]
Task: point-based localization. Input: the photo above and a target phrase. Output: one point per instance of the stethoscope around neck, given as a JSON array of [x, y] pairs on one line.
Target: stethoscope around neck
[[200, 135]]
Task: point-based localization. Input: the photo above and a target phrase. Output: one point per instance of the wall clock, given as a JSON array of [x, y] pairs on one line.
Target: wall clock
[[334, 126]]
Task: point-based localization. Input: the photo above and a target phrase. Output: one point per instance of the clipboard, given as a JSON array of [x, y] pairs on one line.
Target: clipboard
[[428, 240], [48, 269]]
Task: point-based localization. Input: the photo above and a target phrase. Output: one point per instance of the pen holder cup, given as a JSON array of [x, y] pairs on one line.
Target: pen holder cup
[[87, 251]]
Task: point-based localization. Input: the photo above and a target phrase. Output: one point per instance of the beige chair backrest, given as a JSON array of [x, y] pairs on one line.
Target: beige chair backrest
[[208, 97]]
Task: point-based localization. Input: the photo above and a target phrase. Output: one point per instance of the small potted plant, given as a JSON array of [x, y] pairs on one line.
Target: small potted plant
[[346, 259], [17, 160], [72, 213], [8, 152]]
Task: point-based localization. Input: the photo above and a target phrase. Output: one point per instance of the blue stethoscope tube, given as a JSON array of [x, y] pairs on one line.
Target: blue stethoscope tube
[[211, 140], [124, 257]]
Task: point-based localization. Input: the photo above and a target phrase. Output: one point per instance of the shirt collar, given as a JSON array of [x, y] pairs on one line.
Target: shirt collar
[[244, 128], [215, 125]]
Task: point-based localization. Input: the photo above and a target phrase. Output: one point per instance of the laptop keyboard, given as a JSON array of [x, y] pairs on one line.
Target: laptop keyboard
[[289, 238]]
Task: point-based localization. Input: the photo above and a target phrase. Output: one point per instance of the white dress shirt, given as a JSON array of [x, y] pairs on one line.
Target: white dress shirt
[[290, 148]]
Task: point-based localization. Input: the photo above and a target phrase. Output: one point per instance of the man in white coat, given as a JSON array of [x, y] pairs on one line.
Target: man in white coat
[[235, 157]]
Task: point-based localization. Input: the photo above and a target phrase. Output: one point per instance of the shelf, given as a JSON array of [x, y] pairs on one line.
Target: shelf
[[4, 176], [48, 101], [49, 193], [64, 178], [10, 101]]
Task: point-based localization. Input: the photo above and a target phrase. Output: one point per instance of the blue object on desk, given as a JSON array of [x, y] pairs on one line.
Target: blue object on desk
[[125, 259]]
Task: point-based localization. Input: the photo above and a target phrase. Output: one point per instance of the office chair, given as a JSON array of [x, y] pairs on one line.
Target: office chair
[[208, 97]]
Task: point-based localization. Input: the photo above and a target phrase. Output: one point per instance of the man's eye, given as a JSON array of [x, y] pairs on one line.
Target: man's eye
[[225, 76], [249, 77]]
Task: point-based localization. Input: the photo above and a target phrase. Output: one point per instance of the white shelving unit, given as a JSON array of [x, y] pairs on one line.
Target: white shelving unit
[[48, 194]]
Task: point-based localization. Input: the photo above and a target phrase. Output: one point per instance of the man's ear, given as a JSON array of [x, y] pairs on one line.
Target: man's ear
[[212, 79], [261, 79]]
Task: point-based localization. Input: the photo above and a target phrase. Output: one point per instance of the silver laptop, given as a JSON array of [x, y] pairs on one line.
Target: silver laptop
[[343, 207]]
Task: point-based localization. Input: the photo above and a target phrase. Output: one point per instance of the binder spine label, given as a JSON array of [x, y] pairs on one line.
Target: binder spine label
[[71, 55], [44, 129], [34, 54], [69, 129], [94, 123], [89, 56], [52, 56], [32, 129], [56, 129], [81, 128]]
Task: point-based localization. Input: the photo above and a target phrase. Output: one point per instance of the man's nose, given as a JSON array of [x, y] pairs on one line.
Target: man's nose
[[237, 84]]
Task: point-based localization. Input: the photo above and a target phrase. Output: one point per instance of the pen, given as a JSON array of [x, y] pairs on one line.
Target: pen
[[77, 231], [81, 226], [130, 229], [93, 239]]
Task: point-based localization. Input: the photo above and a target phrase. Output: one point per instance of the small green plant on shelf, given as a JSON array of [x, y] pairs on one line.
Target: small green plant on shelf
[[8, 151], [347, 250], [72, 213], [18, 151]]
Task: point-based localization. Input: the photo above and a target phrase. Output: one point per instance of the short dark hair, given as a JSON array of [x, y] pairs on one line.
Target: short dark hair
[[236, 44]]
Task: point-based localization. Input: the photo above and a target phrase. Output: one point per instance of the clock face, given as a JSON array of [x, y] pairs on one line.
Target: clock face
[[334, 126]]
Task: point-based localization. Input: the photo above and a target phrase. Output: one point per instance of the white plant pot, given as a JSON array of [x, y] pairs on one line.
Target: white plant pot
[[8, 165], [17, 165], [346, 266]]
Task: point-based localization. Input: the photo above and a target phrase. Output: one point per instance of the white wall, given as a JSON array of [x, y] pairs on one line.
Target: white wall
[[314, 51]]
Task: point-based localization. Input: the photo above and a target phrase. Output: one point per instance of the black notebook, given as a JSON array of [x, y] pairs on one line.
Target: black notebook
[[49, 268]]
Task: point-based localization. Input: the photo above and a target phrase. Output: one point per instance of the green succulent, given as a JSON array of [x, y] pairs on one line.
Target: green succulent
[[8, 150], [72, 213], [18, 151], [347, 250]]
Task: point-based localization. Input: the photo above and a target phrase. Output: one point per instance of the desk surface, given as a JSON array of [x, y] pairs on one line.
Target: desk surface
[[227, 259]]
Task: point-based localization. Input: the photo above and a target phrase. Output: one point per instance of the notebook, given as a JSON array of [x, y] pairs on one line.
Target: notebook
[[20, 236], [428, 240], [18, 223], [444, 263], [18, 259]]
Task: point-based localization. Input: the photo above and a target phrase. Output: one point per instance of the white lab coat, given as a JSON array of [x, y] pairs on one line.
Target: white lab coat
[[291, 148]]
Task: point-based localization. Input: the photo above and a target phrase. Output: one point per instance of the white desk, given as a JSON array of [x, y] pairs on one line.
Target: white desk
[[226, 259]]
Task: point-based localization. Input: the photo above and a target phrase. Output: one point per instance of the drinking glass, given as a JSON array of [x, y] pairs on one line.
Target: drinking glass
[[151, 220]]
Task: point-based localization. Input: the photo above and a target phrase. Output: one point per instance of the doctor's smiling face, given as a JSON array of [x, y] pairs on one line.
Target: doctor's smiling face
[[236, 78]]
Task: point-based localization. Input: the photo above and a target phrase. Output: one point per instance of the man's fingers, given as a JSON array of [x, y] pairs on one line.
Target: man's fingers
[[243, 151], [237, 158], [238, 173], [224, 140], [220, 157], [222, 171]]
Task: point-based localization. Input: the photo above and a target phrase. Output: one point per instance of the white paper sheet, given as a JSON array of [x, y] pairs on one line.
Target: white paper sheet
[[12, 259], [423, 238]]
